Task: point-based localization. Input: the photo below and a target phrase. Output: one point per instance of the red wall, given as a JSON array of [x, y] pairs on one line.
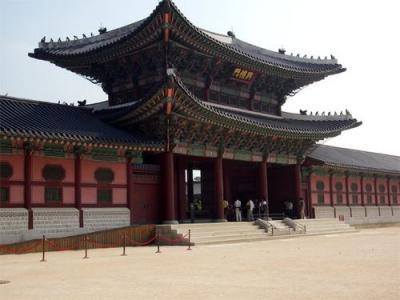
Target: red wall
[[15, 184], [89, 183], [314, 192]]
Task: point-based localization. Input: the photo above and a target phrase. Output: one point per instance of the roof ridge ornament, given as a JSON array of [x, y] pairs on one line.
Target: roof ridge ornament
[[231, 34]]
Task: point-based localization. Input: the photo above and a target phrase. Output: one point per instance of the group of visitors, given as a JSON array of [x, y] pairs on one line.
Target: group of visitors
[[249, 209]]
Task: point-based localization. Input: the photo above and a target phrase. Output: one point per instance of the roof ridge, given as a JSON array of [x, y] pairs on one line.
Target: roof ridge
[[357, 150], [38, 102]]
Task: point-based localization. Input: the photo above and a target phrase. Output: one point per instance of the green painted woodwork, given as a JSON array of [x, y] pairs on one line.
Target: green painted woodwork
[[54, 150], [242, 155], [320, 171], [106, 154], [5, 146], [282, 159], [196, 150]]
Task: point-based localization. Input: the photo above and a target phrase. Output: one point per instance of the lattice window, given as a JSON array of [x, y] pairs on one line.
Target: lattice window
[[354, 196], [53, 173], [104, 195], [53, 194], [4, 195], [339, 192], [394, 194], [6, 170], [381, 188], [382, 200], [104, 175], [320, 190], [368, 188]]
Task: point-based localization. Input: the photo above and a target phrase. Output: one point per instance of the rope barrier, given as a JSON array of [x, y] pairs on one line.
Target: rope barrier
[[53, 245], [145, 243]]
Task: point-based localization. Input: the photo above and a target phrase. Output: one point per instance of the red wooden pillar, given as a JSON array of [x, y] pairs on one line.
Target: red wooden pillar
[[77, 186], [263, 177], [388, 189], [362, 189], [28, 183], [331, 187], [190, 183], [297, 178], [182, 203], [227, 184], [376, 189], [219, 189], [129, 186], [169, 187], [346, 182]]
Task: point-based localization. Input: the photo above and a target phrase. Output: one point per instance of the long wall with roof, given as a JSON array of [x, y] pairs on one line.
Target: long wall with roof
[[357, 197]]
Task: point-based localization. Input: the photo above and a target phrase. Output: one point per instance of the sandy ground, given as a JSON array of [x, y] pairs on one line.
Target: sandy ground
[[364, 265]]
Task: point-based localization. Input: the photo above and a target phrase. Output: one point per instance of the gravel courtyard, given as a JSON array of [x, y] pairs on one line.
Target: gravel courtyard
[[364, 265]]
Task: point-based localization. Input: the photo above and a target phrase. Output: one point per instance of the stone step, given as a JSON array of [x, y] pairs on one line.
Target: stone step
[[213, 225], [312, 226], [230, 237], [217, 229], [316, 232], [196, 235]]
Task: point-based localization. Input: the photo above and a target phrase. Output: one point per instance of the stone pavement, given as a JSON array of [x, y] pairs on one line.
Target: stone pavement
[[363, 265]]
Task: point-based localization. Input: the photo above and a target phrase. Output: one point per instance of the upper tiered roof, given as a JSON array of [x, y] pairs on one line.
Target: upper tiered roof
[[137, 35]]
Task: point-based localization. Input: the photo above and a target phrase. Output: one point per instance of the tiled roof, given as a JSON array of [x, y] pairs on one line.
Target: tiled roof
[[61, 49], [28, 118], [296, 126], [350, 158]]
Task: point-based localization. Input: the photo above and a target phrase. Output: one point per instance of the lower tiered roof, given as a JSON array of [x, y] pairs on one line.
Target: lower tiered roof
[[36, 119]]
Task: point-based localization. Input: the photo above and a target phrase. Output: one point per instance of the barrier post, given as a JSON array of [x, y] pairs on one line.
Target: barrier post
[[86, 246], [124, 246], [189, 248], [43, 249], [272, 230], [158, 242], [305, 230]]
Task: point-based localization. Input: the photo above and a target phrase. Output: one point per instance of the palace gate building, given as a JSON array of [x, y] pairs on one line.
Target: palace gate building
[[180, 98]]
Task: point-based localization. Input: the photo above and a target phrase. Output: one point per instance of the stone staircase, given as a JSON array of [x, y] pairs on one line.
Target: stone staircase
[[324, 226], [218, 233]]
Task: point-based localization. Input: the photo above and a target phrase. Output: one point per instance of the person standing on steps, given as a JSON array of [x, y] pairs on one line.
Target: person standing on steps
[[250, 208], [238, 213]]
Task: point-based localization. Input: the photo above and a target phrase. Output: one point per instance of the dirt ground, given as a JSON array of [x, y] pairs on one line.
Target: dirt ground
[[364, 265]]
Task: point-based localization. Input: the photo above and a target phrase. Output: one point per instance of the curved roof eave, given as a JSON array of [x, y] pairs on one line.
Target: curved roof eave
[[242, 50], [259, 123]]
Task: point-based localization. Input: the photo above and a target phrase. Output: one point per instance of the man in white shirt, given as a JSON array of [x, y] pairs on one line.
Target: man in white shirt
[[238, 213], [250, 208]]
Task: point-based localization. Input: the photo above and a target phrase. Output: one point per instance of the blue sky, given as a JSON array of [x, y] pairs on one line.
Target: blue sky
[[363, 35]]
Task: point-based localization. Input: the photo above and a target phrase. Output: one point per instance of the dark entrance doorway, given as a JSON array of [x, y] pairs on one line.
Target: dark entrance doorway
[[281, 188]]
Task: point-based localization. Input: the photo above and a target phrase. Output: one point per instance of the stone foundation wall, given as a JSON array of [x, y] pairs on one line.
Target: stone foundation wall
[[55, 220], [58, 222], [343, 211], [361, 215], [324, 212], [105, 218], [13, 220], [357, 211]]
